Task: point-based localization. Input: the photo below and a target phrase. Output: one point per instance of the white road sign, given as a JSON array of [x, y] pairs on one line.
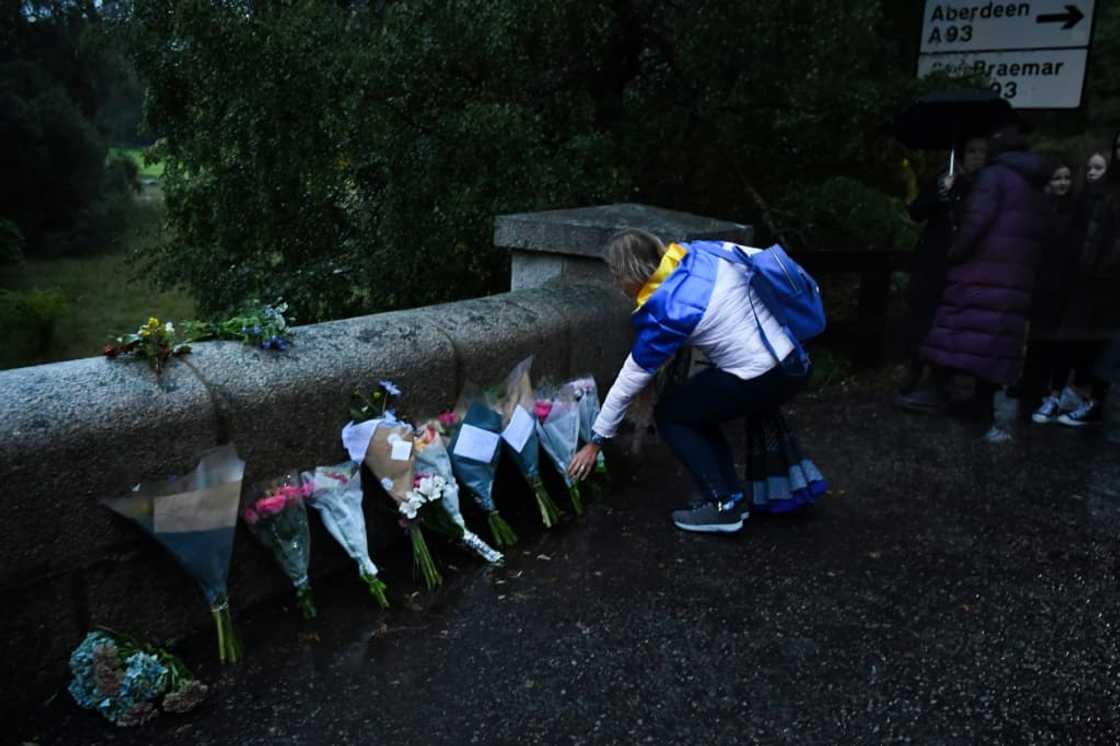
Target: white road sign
[[1030, 79], [957, 26]]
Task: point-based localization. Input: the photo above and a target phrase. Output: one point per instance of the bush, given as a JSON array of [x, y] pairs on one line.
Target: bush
[[845, 213], [11, 243], [27, 322]]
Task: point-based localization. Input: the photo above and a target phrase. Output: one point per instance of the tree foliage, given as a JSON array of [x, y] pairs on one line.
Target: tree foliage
[[351, 156]]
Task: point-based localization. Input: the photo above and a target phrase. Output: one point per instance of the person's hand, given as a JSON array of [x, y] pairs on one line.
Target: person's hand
[[583, 462], [946, 184]]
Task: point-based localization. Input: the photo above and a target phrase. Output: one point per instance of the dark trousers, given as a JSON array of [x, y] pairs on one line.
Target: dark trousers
[[689, 416], [1047, 367], [1085, 355]]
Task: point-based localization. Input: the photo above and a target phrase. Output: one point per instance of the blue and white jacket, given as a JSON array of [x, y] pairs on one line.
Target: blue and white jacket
[[696, 299]]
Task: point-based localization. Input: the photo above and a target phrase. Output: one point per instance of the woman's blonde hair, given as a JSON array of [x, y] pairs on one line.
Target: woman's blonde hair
[[633, 255]]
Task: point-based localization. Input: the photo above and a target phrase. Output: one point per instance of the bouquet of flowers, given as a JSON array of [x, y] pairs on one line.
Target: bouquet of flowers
[[123, 679], [474, 453], [336, 492], [557, 424], [432, 459], [587, 400], [255, 324], [277, 518], [194, 518], [514, 401], [388, 452], [154, 342]]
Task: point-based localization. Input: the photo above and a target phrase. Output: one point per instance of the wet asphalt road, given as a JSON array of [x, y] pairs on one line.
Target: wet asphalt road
[[945, 592]]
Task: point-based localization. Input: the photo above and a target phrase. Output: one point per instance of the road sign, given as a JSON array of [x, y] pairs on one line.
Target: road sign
[[1028, 79], [1034, 53], [977, 27]]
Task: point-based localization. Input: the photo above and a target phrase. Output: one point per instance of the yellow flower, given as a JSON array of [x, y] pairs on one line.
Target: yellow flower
[[150, 328]]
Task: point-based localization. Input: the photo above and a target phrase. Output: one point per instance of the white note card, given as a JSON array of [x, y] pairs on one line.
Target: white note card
[[519, 429], [476, 444], [402, 449]]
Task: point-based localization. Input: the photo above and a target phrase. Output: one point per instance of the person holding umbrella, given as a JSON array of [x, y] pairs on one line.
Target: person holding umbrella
[[980, 324], [938, 206]]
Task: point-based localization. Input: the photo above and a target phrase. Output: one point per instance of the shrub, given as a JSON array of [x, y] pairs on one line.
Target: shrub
[[27, 323]]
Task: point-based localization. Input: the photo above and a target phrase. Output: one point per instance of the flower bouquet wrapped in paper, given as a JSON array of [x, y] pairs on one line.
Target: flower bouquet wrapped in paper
[[277, 517], [336, 492], [474, 440], [123, 679], [194, 518], [514, 401], [386, 447], [587, 400], [557, 424], [444, 516]]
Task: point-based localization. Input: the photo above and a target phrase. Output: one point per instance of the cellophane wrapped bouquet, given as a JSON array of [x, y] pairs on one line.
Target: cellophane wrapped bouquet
[[432, 459], [390, 456], [474, 431], [194, 517], [276, 514], [557, 424], [586, 393], [336, 492], [514, 401]]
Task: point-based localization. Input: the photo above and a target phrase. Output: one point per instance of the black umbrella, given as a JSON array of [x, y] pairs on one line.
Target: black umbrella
[[938, 120]]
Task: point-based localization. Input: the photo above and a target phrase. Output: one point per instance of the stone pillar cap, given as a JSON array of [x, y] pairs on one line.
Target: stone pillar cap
[[582, 231]]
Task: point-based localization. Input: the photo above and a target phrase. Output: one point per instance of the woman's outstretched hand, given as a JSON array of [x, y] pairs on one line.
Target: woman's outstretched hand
[[583, 462]]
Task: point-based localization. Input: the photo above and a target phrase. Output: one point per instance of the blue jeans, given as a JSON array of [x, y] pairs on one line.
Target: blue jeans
[[689, 416]]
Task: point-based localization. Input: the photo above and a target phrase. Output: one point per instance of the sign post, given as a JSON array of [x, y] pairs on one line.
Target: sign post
[[1034, 53]]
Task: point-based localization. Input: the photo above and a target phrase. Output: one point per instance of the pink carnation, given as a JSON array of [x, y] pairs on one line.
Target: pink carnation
[[542, 409], [448, 418], [250, 516], [271, 505]]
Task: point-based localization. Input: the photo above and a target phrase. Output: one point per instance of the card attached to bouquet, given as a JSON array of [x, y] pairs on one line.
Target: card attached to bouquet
[[401, 450], [519, 429], [476, 444]]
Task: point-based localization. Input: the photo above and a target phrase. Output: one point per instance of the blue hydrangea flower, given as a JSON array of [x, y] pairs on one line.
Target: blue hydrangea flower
[[81, 661], [145, 678]]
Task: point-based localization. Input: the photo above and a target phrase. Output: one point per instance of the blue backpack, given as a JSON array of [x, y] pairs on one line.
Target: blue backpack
[[789, 292]]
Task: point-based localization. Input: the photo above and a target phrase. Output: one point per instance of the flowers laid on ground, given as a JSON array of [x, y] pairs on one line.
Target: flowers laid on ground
[[194, 518], [375, 404], [385, 445], [277, 518], [123, 679], [587, 400], [336, 492], [474, 441], [558, 430], [513, 401], [445, 516], [155, 342]]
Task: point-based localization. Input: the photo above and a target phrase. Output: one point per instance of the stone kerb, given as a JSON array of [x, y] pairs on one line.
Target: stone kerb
[[78, 431], [564, 246]]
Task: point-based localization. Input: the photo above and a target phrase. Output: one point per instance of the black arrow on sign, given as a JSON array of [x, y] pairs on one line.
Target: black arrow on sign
[[1072, 17]]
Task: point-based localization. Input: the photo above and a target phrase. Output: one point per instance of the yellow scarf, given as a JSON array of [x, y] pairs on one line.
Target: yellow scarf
[[669, 261]]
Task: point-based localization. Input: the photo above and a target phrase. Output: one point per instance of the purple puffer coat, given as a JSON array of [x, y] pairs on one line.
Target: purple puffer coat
[[980, 325]]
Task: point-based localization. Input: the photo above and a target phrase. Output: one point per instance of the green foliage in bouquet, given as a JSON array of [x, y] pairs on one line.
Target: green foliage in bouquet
[[155, 342]]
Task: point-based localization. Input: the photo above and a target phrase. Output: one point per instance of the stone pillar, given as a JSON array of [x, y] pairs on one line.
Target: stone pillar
[[564, 246]]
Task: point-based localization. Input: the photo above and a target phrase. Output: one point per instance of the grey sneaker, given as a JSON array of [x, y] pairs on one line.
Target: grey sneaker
[[725, 518]]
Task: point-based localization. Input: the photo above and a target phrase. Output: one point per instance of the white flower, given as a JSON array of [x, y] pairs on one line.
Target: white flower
[[408, 509], [387, 484], [169, 328]]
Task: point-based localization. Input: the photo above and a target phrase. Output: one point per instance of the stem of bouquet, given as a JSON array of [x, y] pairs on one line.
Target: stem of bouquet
[[502, 532], [305, 600], [550, 514], [474, 542], [422, 558], [229, 647], [576, 498], [376, 589]]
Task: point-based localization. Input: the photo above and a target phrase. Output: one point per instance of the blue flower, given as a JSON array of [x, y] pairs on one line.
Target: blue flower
[[281, 344], [244, 330], [144, 679], [390, 387], [256, 330]]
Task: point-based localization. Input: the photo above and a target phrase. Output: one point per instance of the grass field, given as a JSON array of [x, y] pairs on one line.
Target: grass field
[[103, 295], [137, 154]]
